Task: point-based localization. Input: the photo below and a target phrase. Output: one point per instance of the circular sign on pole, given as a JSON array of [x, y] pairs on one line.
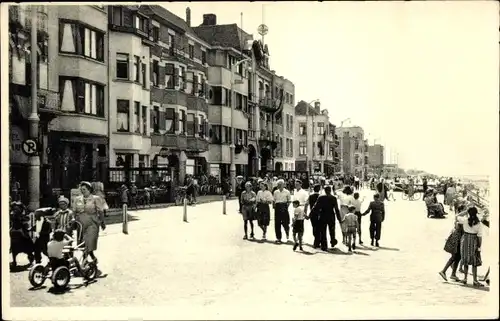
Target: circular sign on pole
[[263, 30], [30, 147]]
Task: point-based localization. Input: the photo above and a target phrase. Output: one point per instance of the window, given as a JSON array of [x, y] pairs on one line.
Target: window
[[171, 41], [81, 96], [137, 71], [182, 122], [291, 147], [137, 119], [191, 51], [156, 33], [239, 101], [302, 129], [155, 120], [123, 121], [302, 148], [203, 57], [117, 15], [144, 120], [80, 40], [122, 66], [291, 99], [143, 71], [140, 23], [215, 134], [143, 160], [280, 151], [169, 120], [321, 128], [227, 95], [182, 77], [169, 76], [156, 73], [190, 125], [201, 126], [291, 124]]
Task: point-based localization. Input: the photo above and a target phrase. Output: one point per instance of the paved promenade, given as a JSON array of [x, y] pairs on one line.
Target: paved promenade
[[204, 268]]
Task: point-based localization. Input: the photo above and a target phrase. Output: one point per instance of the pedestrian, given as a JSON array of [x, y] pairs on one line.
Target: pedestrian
[[282, 199], [352, 226], [327, 209], [133, 195], [63, 216], [346, 200], [314, 217], [264, 198], [470, 245], [357, 210], [377, 216], [298, 225], [98, 189], [248, 200], [41, 235], [452, 246], [89, 212], [356, 182], [124, 195]]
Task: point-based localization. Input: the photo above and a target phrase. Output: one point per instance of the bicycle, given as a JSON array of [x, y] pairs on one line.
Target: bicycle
[[181, 194]]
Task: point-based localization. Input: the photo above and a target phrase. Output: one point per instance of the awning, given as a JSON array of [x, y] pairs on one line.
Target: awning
[[62, 136]]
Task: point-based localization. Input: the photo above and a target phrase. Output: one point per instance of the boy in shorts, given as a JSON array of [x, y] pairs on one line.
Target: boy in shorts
[[298, 224], [55, 249], [351, 222]]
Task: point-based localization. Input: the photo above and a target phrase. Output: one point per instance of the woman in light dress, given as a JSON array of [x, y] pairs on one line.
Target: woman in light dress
[[470, 244], [89, 212], [248, 200], [264, 198], [346, 199]]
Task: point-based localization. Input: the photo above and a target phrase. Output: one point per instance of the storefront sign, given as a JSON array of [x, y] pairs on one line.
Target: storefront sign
[[16, 146]]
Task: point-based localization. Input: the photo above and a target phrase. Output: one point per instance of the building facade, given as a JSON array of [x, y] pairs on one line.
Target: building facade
[[376, 155], [353, 151], [316, 142], [284, 125], [72, 86]]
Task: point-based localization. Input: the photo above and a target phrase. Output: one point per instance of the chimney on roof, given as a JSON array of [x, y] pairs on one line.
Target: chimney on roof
[[317, 107], [188, 16], [209, 19]]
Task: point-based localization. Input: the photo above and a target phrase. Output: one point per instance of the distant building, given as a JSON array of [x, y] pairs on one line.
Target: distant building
[[353, 151], [316, 141], [376, 155]]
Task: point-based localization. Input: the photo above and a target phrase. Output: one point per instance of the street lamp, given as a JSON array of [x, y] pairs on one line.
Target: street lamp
[[232, 168], [342, 145], [308, 162], [34, 120]]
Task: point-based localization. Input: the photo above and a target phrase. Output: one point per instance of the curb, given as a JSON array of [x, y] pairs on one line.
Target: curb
[[118, 211]]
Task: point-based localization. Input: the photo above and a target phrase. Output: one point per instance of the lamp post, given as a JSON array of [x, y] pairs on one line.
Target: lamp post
[[308, 162], [342, 145], [34, 120], [232, 168]]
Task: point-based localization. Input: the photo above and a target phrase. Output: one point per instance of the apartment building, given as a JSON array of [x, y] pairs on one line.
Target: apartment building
[[226, 50], [72, 83], [284, 125], [353, 151], [316, 143], [259, 103], [178, 119]]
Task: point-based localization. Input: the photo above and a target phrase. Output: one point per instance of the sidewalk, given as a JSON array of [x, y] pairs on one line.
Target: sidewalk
[[200, 200]]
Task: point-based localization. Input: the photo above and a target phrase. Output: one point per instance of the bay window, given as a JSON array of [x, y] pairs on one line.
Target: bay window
[[77, 39], [201, 126], [170, 120], [122, 66], [123, 119], [190, 125], [137, 108], [81, 96]]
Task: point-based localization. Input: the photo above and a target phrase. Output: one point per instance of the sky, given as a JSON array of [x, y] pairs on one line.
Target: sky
[[421, 78]]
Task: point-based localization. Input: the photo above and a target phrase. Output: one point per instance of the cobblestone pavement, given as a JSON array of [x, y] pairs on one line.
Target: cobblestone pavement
[[206, 263]]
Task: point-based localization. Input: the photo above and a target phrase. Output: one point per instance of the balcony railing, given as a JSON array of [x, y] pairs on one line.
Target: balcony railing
[[197, 144], [172, 141]]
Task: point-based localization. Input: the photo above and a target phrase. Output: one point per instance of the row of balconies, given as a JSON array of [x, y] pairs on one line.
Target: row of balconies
[[180, 142]]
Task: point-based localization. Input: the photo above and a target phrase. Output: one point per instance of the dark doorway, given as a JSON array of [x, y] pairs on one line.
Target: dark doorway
[[278, 166], [252, 156]]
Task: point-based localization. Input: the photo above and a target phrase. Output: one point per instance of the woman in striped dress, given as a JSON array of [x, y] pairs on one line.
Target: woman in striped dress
[[470, 245]]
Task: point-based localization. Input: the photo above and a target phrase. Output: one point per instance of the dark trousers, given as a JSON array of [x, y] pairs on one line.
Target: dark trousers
[[281, 218], [41, 247], [239, 202], [315, 228], [375, 229], [325, 225]]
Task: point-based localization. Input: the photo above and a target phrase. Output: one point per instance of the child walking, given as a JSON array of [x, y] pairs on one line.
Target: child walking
[[298, 224], [357, 204], [351, 225]]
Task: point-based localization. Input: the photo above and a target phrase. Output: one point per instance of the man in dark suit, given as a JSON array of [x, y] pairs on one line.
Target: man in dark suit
[[377, 216], [382, 189], [327, 209]]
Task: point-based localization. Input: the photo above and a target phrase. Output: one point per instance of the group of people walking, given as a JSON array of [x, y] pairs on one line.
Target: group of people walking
[[32, 232], [323, 207]]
